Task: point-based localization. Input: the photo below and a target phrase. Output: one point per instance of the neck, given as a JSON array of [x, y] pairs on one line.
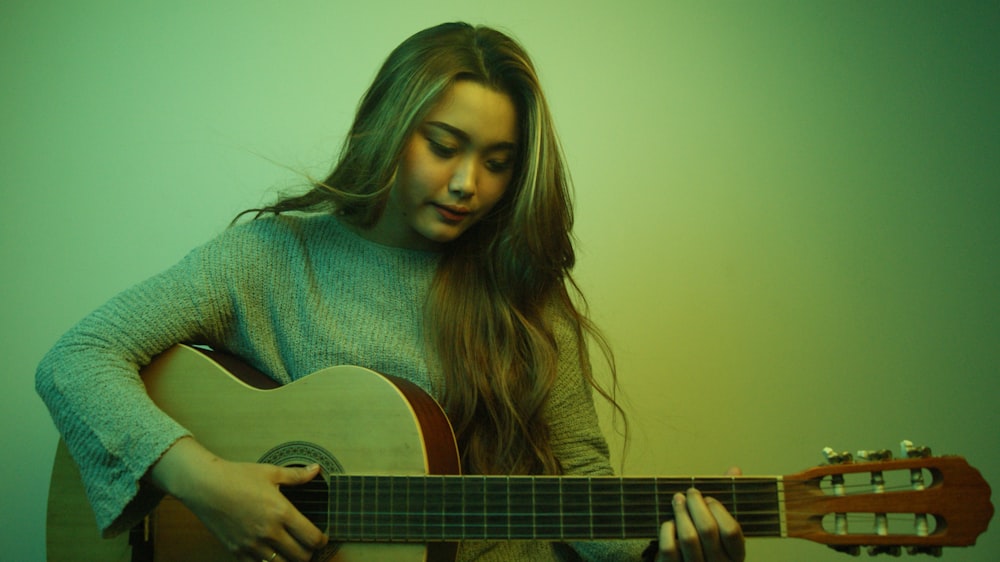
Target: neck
[[421, 508]]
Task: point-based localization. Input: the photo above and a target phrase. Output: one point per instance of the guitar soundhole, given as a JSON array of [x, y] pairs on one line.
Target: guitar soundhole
[[311, 498]]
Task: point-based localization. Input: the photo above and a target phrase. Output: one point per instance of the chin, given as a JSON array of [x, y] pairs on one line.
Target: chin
[[443, 236]]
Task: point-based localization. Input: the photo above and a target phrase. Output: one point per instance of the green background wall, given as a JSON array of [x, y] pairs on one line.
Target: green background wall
[[787, 211]]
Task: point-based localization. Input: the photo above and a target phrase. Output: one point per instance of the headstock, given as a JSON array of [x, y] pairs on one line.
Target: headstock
[[918, 502]]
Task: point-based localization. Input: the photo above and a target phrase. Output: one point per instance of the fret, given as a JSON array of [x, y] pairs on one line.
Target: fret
[[434, 507], [576, 508], [548, 515], [453, 516], [534, 510], [665, 490], [562, 512], [607, 512], [590, 505], [521, 525], [396, 509], [368, 490], [718, 488], [758, 510], [474, 508], [409, 499], [383, 515], [338, 506], [640, 507], [497, 507], [352, 526]]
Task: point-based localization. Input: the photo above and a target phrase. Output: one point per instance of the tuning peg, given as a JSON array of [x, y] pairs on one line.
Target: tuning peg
[[834, 457], [851, 549], [921, 522], [889, 549], [838, 489], [879, 455], [934, 551], [908, 450]]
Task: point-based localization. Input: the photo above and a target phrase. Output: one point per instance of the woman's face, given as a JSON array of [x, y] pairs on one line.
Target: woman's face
[[453, 170]]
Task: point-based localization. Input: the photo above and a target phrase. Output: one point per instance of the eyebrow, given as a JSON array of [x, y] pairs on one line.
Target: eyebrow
[[462, 135]]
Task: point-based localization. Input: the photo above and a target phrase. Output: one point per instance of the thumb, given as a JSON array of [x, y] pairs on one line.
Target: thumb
[[734, 471], [296, 475]]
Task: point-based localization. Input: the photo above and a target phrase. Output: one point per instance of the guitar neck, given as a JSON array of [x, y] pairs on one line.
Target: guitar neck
[[445, 508]]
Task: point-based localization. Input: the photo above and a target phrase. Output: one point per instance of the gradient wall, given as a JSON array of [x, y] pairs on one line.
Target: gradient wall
[[787, 211]]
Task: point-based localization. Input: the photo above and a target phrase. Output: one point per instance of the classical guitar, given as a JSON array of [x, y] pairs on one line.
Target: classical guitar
[[390, 487]]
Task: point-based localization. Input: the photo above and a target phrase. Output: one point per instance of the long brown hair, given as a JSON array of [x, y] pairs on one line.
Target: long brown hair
[[503, 295]]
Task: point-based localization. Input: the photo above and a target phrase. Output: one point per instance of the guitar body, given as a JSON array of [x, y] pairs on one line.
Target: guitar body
[[346, 419]]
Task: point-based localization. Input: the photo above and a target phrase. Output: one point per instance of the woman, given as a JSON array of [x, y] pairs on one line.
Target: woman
[[437, 250]]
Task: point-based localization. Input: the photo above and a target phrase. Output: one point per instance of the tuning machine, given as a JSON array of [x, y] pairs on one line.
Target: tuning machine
[[838, 488], [878, 486], [911, 451]]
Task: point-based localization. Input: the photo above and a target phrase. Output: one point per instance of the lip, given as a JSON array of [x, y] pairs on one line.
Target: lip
[[450, 213]]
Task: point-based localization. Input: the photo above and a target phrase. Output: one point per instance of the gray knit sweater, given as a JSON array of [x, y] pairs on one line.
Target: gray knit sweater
[[290, 295]]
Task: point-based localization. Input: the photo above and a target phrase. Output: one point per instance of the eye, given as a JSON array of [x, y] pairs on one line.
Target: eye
[[499, 166], [441, 150]]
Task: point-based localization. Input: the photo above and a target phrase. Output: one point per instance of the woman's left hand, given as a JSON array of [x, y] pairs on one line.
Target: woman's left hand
[[702, 531]]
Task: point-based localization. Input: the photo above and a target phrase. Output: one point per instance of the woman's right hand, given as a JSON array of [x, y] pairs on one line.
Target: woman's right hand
[[240, 503]]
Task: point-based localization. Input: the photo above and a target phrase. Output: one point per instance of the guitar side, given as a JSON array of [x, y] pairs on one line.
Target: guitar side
[[342, 414]]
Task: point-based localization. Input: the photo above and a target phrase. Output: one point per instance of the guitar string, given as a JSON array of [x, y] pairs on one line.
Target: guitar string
[[381, 524], [555, 514], [627, 480], [750, 518], [615, 487], [755, 520]]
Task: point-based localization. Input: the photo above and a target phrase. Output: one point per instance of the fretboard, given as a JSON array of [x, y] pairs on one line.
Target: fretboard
[[449, 508]]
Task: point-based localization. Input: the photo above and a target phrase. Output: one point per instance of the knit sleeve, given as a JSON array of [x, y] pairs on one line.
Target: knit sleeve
[[89, 380], [576, 436], [578, 442]]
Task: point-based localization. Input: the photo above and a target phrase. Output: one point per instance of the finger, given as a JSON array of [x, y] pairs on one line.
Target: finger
[[706, 527], [686, 532], [296, 475], [730, 532], [734, 471], [289, 548], [305, 533], [263, 554], [668, 543]]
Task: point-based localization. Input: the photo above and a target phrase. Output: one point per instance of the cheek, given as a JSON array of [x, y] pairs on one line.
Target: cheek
[[494, 192], [420, 175]]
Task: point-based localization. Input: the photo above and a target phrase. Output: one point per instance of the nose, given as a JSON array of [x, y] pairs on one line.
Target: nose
[[463, 180]]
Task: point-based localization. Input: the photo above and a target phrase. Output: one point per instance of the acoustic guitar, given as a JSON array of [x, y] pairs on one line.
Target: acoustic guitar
[[390, 487]]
